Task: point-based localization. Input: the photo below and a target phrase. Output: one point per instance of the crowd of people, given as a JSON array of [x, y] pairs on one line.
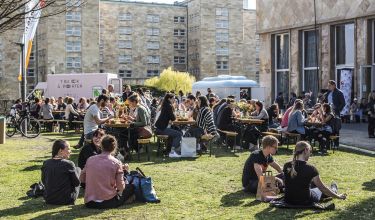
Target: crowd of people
[[103, 176]]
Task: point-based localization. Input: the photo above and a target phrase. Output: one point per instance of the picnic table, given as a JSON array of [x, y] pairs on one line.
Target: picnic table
[[250, 121], [121, 131], [314, 124]]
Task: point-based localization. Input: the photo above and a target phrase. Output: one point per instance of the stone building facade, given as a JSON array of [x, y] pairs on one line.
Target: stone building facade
[[138, 40], [296, 55]]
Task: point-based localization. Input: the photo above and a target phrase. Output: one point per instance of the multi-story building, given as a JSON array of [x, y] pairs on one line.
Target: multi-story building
[[296, 55], [139, 40]]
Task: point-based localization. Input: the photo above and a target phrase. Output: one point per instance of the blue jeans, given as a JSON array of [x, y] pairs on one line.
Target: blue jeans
[[315, 194], [174, 134]]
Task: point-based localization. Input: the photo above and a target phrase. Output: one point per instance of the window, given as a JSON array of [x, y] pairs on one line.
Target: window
[[73, 31], [179, 32], [257, 61], [344, 44], [151, 73], [124, 44], [30, 72], [153, 59], [222, 37], [125, 17], [73, 16], [222, 51], [222, 65], [73, 62], [179, 46], [73, 3], [310, 76], [222, 24], [125, 73], [73, 46], [282, 64], [153, 18], [153, 45], [179, 19], [153, 32], [125, 30], [125, 59], [179, 60], [32, 56], [222, 12]]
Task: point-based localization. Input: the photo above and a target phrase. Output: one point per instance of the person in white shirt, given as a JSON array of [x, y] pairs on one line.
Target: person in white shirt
[[93, 118]]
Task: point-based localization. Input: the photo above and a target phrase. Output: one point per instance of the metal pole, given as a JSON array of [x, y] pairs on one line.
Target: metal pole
[[316, 45]]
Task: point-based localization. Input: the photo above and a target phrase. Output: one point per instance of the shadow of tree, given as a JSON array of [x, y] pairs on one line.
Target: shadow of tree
[[369, 186], [362, 210]]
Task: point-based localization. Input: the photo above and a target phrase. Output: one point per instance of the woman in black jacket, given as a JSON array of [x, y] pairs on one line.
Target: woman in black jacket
[[226, 122], [60, 177], [162, 124]]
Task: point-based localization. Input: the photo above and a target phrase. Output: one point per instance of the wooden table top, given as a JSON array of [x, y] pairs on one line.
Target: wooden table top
[[316, 124], [120, 125], [192, 122], [250, 120]]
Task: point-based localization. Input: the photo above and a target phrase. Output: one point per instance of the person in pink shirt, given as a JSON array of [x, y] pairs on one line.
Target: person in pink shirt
[[104, 178]]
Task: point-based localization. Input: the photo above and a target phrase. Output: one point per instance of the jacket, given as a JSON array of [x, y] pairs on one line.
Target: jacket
[[337, 99], [296, 122]]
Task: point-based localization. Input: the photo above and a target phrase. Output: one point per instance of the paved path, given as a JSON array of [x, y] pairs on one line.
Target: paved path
[[355, 135]]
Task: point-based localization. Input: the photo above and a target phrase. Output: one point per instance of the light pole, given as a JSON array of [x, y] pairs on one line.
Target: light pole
[[23, 72]]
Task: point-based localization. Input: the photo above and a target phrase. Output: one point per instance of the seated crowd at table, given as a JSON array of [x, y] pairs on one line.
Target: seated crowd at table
[[113, 124]]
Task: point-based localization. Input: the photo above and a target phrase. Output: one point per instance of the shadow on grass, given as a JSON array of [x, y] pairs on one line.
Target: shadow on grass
[[278, 213], [33, 167], [369, 186], [237, 199], [362, 210]]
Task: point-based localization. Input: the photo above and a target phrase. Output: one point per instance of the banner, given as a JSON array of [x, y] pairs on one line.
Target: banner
[[34, 9], [346, 79]]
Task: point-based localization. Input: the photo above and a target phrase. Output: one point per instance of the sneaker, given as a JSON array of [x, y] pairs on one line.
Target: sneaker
[[334, 187], [173, 154], [237, 147]]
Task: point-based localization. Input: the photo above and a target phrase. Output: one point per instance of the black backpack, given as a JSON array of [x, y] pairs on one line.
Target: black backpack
[[36, 190]]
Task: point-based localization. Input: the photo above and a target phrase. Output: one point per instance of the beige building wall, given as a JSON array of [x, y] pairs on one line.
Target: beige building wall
[[295, 17], [250, 46], [143, 18]]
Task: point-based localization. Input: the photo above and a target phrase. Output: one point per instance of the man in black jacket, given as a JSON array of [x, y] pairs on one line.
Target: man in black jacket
[[335, 97], [127, 93]]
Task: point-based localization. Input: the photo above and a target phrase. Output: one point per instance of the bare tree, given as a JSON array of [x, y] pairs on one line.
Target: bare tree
[[13, 12]]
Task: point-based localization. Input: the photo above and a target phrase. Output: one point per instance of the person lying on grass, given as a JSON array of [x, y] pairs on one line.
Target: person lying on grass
[[258, 163], [60, 176], [299, 175], [104, 178]]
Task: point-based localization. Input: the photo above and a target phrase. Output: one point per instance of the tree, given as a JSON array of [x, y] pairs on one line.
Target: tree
[[172, 80], [13, 12]]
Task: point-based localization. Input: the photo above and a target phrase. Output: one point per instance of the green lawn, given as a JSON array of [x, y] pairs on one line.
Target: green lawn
[[204, 188]]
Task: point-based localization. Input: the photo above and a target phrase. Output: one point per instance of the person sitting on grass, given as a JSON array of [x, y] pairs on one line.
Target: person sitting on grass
[[299, 175], [104, 178], [91, 148], [258, 163], [60, 176]]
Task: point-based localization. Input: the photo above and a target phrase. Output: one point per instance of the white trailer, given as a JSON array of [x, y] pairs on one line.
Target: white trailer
[[225, 85], [77, 85]]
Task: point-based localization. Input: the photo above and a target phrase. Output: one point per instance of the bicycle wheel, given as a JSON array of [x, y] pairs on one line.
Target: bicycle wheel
[[11, 125], [30, 127]]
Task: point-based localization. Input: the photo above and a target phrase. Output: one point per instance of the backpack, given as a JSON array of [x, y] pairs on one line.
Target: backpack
[[144, 188], [36, 190]]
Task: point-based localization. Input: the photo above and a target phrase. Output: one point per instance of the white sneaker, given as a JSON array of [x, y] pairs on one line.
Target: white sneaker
[[173, 154], [237, 147]]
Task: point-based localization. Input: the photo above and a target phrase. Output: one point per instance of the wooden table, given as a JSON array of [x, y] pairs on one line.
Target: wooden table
[[251, 121], [120, 125], [192, 122], [58, 112], [314, 124]]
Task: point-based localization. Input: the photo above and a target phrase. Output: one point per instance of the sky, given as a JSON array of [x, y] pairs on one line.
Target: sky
[[252, 3]]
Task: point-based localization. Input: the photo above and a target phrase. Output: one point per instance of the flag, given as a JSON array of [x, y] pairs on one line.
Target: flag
[[34, 9]]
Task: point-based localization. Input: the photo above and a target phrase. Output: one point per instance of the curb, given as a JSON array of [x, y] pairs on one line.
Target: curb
[[356, 149]]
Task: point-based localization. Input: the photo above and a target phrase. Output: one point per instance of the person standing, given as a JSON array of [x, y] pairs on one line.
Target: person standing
[[371, 118], [128, 92], [335, 98]]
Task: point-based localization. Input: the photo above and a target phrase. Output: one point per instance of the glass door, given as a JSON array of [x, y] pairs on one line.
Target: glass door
[[367, 80]]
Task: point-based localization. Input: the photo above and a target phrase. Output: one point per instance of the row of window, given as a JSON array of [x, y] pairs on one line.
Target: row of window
[[150, 18], [73, 16], [151, 59]]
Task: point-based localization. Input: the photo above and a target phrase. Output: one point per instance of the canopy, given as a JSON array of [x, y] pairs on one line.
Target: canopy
[[224, 81]]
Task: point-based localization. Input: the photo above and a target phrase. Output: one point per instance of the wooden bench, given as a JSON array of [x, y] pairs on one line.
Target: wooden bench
[[162, 140], [332, 140], [208, 138], [289, 136], [231, 134], [146, 143]]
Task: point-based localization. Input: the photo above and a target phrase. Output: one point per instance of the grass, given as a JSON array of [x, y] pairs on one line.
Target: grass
[[202, 188]]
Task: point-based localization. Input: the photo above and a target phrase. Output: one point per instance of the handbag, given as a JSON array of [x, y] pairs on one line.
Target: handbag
[[144, 132], [267, 187], [143, 185]]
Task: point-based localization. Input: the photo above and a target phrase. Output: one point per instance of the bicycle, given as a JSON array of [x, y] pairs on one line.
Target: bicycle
[[23, 122]]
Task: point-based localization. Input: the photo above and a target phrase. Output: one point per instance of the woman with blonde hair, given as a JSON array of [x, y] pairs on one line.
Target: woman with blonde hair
[[298, 175]]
